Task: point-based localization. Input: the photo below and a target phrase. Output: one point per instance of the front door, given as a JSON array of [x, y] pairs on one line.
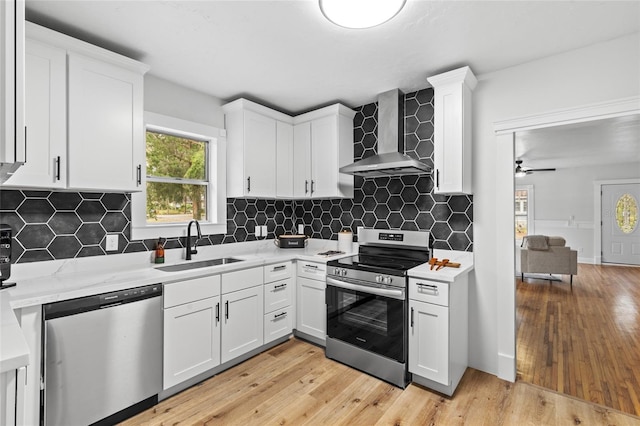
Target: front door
[[620, 227]]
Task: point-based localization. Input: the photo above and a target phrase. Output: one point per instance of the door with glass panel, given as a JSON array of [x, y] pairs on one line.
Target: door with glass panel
[[620, 228]]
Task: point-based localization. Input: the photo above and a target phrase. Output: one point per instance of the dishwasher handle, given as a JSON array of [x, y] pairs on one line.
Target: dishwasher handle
[[100, 301]]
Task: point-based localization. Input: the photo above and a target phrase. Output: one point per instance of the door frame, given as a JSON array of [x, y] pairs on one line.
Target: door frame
[[505, 132], [597, 214]]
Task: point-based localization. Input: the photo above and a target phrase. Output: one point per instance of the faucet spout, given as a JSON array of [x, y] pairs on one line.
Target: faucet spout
[[191, 251]]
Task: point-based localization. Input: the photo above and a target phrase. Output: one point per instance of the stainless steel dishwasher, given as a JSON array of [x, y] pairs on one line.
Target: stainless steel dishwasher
[[102, 357]]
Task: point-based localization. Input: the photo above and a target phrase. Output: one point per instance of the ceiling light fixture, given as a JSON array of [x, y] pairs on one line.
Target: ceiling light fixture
[[360, 13]]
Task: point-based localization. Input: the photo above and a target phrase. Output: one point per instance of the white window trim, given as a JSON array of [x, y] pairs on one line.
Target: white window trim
[[216, 195], [530, 209]]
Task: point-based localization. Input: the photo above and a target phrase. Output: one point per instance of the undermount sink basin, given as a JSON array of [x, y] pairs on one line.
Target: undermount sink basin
[[199, 264]]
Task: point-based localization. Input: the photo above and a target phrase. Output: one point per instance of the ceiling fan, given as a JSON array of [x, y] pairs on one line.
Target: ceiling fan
[[523, 171]]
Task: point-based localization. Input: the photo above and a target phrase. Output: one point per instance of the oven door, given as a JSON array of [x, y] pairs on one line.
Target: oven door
[[370, 318]]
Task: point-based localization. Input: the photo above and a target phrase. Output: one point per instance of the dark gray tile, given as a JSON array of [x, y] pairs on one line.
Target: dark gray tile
[[10, 200], [112, 201], [91, 210], [36, 210], [64, 222], [65, 200], [64, 247], [35, 236], [90, 234]]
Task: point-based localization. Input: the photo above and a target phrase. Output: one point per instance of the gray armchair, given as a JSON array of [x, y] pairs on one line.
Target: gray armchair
[[550, 258]]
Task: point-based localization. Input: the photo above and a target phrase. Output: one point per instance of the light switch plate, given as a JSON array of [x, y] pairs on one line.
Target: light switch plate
[[112, 242], [258, 231], [264, 230], [300, 229]]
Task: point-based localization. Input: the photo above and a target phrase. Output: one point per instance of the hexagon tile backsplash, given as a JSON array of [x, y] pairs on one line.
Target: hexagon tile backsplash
[[61, 225]]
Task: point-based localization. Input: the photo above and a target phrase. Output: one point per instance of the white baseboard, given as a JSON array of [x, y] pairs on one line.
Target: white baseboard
[[506, 367]]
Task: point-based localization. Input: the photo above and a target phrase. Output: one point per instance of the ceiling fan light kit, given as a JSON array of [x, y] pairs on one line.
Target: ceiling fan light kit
[[360, 13]]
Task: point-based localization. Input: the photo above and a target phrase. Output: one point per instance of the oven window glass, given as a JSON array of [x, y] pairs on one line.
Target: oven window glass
[[374, 323]]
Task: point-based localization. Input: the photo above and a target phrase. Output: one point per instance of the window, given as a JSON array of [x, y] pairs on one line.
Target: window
[[524, 211], [184, 179]]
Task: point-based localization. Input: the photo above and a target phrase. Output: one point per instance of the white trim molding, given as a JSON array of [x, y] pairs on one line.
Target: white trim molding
[[504, 184]]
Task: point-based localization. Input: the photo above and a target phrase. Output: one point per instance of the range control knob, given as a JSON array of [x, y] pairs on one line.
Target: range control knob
[[343, 272], [387, 279], [378, 278], [336, 271]]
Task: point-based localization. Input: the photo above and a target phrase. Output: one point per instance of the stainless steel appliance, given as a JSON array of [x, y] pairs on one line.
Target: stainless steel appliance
[[367, 302], [102, 357]]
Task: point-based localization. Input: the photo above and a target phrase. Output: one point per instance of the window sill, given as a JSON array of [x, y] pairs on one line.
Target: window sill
[[174, 230]]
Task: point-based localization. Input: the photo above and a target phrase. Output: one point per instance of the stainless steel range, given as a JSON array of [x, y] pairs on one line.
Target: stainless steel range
[[367, 302]]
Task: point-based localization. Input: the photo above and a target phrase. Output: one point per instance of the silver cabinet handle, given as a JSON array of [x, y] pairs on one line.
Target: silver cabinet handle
[[306, 186], [312, 186], [218, 312], [139, 172], [411, 317], [311, 266], [279, 268], [249, 184], [391, 292], [430, 287], [279, 287], [437, 178], [226, 309]]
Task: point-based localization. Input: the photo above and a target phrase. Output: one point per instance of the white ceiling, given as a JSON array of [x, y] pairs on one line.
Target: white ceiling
[[601, 142], [285, 54]]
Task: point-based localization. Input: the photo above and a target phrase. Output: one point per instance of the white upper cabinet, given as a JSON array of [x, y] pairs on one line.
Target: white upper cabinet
[[452, 131], [322, 143], [45, 117], [12, 129], [273, 155], [99, 145], [106, 125], [284, 165], [251, 149]]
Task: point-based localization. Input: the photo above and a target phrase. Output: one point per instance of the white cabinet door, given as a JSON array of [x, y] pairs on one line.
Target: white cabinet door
[[324, 157], [429, 341], [277, 324], [284, 160], [259, 155], [311, 309], [452, 131], [191, 340], [106, 130], [302, 160], [12, 132], [242, 322], [46, 118]]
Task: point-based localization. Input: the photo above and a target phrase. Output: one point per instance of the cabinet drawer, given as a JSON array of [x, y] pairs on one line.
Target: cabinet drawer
[[239, 280], [187, 291], [429, 291], [277, 295], [277, 324], [278, 271], [312, 270]]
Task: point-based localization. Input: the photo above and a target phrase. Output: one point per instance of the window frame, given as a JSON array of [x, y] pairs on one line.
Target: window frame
[[216, 223], [530, 209]]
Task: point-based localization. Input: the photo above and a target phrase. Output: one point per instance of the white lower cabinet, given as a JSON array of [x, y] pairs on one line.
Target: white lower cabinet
[[438, 332], [191, 328], [428, 341], [311, 302], [242, 323], [13, 390], [278, 295]]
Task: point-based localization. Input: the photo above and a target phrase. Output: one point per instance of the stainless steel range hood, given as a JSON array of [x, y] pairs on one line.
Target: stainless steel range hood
[[390, 159]]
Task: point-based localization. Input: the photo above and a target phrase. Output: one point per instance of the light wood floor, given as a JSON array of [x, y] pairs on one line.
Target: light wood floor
[[584, 343], [294, 384]]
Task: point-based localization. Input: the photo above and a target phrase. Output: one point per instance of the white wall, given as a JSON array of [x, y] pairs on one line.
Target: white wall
[[598, 73], [564, 205], [164, 97]]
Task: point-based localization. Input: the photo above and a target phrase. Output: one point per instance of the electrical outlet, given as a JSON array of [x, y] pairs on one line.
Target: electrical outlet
[[300, 229], [264, 230], [112, 242], [258, 231]]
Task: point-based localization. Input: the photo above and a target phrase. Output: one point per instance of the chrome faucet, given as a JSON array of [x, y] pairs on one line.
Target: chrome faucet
[[193, 250]]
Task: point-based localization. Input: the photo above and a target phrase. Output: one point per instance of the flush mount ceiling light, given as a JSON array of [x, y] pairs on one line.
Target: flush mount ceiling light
[[360, 13]]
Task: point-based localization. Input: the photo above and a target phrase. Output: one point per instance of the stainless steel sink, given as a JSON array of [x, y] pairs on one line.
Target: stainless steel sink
[[199, 264]]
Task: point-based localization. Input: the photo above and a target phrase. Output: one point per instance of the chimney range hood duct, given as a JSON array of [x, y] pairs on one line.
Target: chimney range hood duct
[[390, 159]]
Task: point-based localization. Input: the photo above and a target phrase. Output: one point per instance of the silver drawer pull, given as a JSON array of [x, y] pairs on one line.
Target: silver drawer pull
[[311, 266], [279, 286], [278, 268], [283, 314], [430, 287]]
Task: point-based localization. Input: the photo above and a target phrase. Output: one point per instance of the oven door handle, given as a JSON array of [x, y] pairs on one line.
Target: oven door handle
[[392, 293]]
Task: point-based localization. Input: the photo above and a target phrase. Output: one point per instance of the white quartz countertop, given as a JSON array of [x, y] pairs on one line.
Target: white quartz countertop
[[446, 274], [46, 282]]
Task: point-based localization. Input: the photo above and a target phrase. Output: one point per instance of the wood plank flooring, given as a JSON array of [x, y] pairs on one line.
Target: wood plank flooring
[[584, 343], [294, 384]]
